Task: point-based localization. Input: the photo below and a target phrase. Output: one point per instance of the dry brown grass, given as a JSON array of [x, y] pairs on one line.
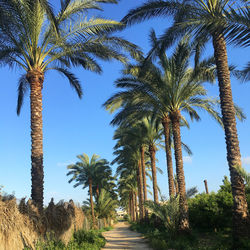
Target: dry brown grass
[[17, 230], [63, 219], [21, 225]]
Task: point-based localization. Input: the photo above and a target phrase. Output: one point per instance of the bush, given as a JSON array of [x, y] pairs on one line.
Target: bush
[[212, 211], [82, 240], [93, 237]]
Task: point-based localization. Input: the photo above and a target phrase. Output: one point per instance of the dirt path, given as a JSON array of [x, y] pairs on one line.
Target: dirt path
[[121, 237]]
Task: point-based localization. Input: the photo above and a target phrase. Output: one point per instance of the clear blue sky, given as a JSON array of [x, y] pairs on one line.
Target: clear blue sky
[[73, 126]]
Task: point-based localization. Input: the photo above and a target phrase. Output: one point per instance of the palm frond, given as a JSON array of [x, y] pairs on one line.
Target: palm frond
[[23, 87]]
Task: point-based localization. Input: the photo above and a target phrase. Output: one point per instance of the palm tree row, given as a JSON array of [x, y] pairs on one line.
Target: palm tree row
[[218, 21], [165, 93]]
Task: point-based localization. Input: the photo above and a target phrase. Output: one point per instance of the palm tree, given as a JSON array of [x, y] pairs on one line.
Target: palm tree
[[105, 205], [129, 143], [216, 20], [84, 172], [36, 39], [152, 137], [127, 186]]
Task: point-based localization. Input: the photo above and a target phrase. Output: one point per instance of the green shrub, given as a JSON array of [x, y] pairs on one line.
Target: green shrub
[[92, 237], [82, 240], [212, 211]]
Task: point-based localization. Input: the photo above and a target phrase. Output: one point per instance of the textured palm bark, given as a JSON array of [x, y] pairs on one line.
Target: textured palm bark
[[144, 173], [136, 206], [97, 191], [166, 126], [184, 221], [129, 208], [140, 190], [35, 79], [91, 201], [240, 210], [176, 187], [133, 206], [144, 178], [152, 152]]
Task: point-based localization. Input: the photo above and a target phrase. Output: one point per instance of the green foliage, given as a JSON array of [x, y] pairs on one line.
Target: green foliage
[[105, 205], [214, 210], [81, 240], [82, 237], [168, 212]]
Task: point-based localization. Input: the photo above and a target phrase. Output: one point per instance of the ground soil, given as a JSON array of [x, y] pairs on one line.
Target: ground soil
[[121, 237]]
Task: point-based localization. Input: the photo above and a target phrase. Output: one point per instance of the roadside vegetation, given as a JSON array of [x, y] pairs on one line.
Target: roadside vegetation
[[210, 219], [82, 240]]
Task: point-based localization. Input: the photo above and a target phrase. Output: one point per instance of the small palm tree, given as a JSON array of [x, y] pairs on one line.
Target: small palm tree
[[36, 39], [84, 172], [105, 205], [168, 212]]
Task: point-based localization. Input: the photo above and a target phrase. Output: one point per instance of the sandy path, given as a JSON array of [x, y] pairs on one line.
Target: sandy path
[[121, 237]]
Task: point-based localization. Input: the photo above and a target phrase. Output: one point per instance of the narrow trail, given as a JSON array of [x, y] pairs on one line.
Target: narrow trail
[[121, 237]]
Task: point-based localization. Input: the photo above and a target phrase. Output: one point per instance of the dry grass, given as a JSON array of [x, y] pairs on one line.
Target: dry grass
[[63, 219], [22, 226], [17, 230]]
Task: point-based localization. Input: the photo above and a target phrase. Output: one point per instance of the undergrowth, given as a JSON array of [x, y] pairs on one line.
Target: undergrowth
[[81, 240], [159, 239]]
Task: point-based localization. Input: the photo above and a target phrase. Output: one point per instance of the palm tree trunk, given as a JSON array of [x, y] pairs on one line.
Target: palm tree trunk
[[35, 79], [166, 125], [184, 221], [176, 186], [140, 190], [136, 205], [240, 210], [206, 187], [144, 178], [97, 191], [133, 206], [91, 201], [152, 157], [129, 207]]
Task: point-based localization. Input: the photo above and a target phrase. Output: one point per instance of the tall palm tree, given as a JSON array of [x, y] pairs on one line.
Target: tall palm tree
[[206, 20], [129, 143], [127, 188], [36, 39], [152, 136], [85, 172]]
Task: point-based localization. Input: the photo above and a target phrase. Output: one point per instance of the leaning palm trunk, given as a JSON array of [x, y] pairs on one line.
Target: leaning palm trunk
[[184, 221], [240, 211], [152, 156], [35, 79], [140, 190], [91, 201], [166, 124]]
